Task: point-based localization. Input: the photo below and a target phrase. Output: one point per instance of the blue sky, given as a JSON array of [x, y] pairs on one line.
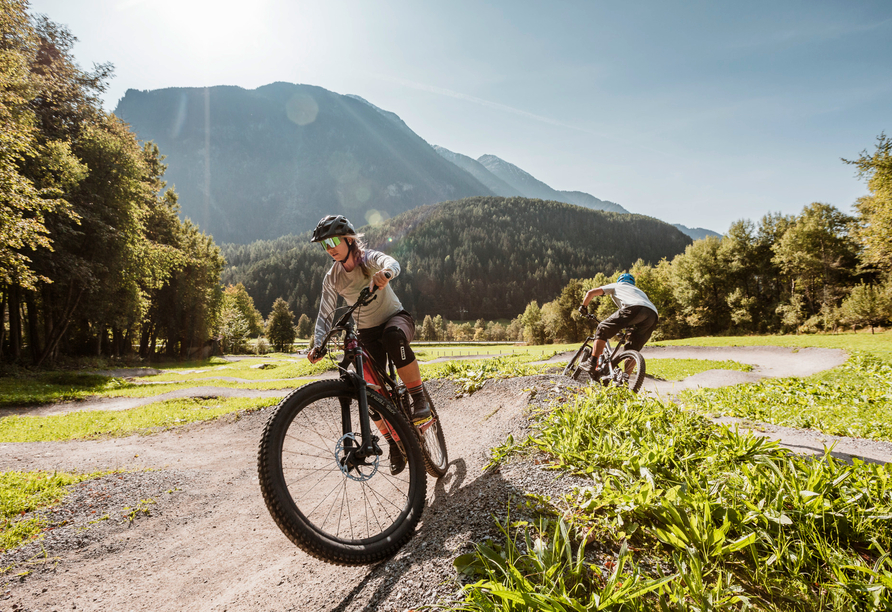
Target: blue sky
[[698, 113]]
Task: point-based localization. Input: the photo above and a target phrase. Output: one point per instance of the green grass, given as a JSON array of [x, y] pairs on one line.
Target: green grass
[[426, 352], [686, 516], [471, 374], [53, 387], [852, 400], [876, 344], [23, 492], [247, 369], [144, 419], [679, 369]]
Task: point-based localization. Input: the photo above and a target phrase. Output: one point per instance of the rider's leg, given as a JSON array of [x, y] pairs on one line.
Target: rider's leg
[[608, 328], [644, 322], [597, 350], [410, 374], [397, 344]]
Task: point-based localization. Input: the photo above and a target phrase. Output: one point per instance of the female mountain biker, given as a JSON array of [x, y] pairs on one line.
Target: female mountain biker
[[635, 310], [385, 328]]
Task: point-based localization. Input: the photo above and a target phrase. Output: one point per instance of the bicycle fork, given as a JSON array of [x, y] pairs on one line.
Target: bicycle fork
[[369, 447]]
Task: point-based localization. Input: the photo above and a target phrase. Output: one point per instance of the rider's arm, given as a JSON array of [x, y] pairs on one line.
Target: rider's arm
[[327, 305], [387, 267], [592, 294]]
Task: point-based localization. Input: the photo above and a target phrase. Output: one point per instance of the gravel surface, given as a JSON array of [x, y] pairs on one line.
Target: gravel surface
[[183, 525]]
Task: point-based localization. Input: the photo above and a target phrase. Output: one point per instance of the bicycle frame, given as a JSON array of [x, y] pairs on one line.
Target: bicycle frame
[[609, 351], [367, 374], [355, 354]]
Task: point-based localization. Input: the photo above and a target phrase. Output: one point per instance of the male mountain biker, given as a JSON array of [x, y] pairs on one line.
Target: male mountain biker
[[384, 327], [635, 311]]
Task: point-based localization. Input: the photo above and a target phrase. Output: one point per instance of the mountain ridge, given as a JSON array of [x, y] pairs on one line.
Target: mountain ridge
[[252, 164], [260, 163]]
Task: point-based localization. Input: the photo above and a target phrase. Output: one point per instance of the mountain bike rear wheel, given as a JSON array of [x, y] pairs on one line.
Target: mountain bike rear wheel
[[628, 370], [333, 509], [433, 442]]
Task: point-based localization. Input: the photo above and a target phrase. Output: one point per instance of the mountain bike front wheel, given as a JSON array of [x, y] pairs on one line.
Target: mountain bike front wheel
[[333, 507], [628, 370], [583, 355]]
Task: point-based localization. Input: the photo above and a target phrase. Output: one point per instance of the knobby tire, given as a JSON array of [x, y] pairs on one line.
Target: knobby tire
[[322, 511], [572, 370], [433, 443], [636, 379]]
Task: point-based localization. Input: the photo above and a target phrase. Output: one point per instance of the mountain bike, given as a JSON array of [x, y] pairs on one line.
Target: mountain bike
[[620, 367], [327, 485]]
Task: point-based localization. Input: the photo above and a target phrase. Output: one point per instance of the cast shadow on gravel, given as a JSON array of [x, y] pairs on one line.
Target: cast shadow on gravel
[[459, 516]]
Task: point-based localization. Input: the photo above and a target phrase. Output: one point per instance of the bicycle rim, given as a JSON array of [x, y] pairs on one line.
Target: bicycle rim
[[629, 370], [345, 516], [581, 372], [573, 366], [433, 443]]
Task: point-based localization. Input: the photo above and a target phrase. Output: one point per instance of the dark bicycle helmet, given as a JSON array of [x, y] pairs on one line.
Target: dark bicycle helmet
[[626, 278], [332, 225]]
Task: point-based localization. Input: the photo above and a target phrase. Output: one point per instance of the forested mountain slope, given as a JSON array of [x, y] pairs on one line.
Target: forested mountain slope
[[271, 161], [481, 257]]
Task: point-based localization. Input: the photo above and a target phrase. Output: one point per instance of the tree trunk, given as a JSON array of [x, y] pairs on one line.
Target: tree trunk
[[127, 349], [33, 328], [61, 326], [117, 341], [15, 322], [144, 337], [2, 321]]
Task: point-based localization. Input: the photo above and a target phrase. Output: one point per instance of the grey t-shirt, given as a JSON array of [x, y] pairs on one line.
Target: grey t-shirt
[[626, 294], [339, 282]]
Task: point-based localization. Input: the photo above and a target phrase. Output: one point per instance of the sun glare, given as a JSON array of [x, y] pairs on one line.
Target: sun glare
[[207, 28]]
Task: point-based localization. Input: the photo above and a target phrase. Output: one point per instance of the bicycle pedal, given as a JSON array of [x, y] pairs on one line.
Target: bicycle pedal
[[424, 422]]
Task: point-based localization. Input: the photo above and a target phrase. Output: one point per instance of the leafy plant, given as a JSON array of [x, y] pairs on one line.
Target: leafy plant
[[472, 374], [853, 400], [716, 519]]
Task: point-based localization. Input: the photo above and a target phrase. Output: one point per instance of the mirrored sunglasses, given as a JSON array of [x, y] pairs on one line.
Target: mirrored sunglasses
[[330, 243]]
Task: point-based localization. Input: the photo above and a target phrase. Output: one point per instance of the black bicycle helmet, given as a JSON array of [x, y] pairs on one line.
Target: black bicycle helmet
[[332, 225]]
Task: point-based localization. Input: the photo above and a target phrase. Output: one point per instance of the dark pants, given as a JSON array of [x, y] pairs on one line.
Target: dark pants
[[390, 339], [641, 318]]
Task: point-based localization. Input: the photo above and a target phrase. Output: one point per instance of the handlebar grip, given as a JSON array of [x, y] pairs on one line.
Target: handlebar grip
[[374, 288], [320, 351]]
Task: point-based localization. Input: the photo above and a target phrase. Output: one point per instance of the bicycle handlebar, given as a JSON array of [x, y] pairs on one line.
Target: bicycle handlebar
[[582, 311], [366, 297]]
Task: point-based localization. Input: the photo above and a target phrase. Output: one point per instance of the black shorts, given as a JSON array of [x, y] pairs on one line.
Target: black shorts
[[641, 318], [372, 338]]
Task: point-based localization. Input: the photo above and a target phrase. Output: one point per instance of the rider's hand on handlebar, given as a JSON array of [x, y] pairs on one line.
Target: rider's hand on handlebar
[[583, 310], [380, 280], [317, 353]]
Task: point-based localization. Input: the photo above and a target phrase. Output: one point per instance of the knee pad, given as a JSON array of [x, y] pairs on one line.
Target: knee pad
[[397, 347]]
